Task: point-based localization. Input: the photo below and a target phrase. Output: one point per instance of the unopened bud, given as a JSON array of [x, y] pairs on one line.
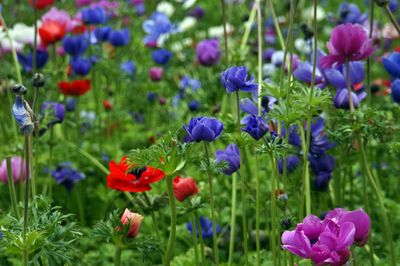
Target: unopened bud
[[19, 89], [38, 80]]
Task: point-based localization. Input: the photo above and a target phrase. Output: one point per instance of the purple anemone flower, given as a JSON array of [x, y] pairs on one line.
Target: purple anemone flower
[[128, 67], [94, 15], [102, 33], [396, 90], [250, 106], [319, 142], [341, 99], [75, 45], [392, 64], [81, 66], [203, 129], [119, 38], [187, 82], [348, 42], [236, 78], [322, 166], [156, 26], [26, 61], [231, 155], [256, 127], [161, 56], [52, 113], [65, 175], [337, 76], [328, 242], [208, 52], [291, 163], [350, 13], [206, 227]]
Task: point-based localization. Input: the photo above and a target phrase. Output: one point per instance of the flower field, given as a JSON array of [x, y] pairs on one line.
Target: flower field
[[196, 133]]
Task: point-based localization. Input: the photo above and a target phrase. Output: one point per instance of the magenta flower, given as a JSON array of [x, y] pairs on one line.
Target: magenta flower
[[17, 167], [348, 42], [60, 16], [328, 242]]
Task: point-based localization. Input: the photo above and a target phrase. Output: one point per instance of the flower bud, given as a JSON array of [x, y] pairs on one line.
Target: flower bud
[[134, 220], [19, 89], [184, 187], [38, 80], [286, 223]]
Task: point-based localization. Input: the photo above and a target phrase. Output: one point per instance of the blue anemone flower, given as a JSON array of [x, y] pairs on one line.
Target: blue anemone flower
[[206, 227], [26, 61], [65, 175]]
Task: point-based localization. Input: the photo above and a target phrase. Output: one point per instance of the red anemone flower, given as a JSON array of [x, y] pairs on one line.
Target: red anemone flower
[[51, 31], [41, 4], [132, 179], [74, 88]]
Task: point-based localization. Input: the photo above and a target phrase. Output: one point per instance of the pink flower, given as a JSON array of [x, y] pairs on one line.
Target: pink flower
[[61, 16], [134, 220], [18, 169], [184, 187], [348, 42], [156, 73], [81, 3]]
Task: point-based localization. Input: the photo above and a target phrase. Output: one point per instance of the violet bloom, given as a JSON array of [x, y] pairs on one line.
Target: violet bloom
[[236, 78], [203, 129], [94, 15], [129, 68], [206, 227], [291, 164], [155, 27], [324, 242], [81, 3], [65, 175], [396, 90], [250, 106], [119, 37], [187, 82], [17, 167], [102, 33], [194, 105], [208, 52], [81, 66], [341, 99], [26, 61], [322, 166], [75, 45], [350, 13], [319, 141], [392, 64], [52, 113], [348, 42], [156, 73], [231, 155], [161, 56], [337, 76], [256, 127], [359, 218], [196, 12], [294, 137]]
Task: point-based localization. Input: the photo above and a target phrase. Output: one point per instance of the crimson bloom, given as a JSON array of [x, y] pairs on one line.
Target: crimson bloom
[[184, 187], [123, 177], [348, 42], [51, 32], [41, 4], [133, 220], [74, 88]]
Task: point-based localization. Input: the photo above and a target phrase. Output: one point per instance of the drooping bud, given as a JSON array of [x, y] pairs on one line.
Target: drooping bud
[[184, 187], [134, 220], [38, 80], [23, 113], [19, 89]]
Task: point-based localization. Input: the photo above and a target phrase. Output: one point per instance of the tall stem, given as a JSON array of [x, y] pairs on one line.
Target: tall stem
[[371, 27], [117, 256], [258, 203], [351, 103], [34, 59], [225, 33], [28, 170], [233, 219], [12, 188], [172, 233], [276, 24], [194, 239], [392, 18], [214, 223], [273, 212], [198, 227]]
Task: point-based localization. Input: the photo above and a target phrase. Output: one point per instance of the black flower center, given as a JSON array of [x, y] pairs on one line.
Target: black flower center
[[137, 171]]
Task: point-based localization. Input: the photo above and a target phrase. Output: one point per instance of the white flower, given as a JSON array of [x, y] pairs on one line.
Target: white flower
[[268, 70], [23, 34], [186, 3], [303, 46], [218, 31], [166, 8], [309, 13], [5, 44], [187, 23]]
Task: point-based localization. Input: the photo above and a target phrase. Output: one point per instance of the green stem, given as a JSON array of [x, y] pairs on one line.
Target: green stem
[[212, 206], [198, 227], [273, 211], [171, 240], [248, 27], [225, 32], [392, 18], [233, 219], [351, 103], [194, 239], [81, 212], [153, 218], [386, 222], [276, 24], [371, 26], [258, 203], [117, 256], [28, 170], [12, 188]]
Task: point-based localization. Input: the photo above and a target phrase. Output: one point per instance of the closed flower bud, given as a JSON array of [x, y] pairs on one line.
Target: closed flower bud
[[156, 73], [38, 80], [134, 220], [286, 223], [184, 187], [23, 115], [19, 89]]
